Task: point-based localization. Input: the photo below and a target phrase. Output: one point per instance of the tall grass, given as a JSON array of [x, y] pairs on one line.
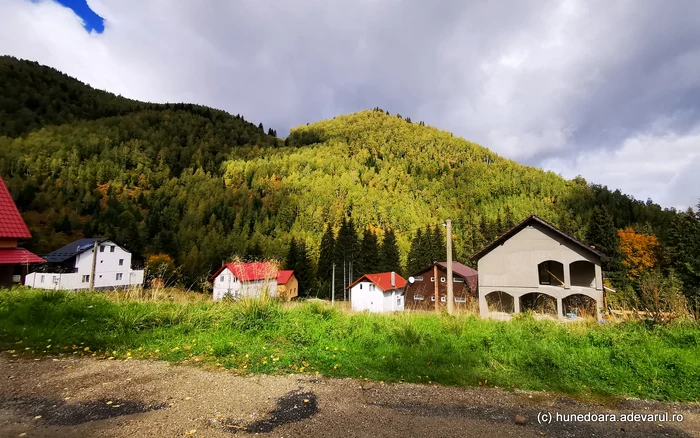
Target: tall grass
[[631, 359]]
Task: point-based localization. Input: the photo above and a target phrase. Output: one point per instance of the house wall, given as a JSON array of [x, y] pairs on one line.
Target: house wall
[[363, 297], [426, 288], [8, 243], [513, 268], [44, 280], [288, 290]]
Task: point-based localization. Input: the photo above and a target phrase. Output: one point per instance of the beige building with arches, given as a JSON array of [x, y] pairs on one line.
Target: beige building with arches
[[536, 266]]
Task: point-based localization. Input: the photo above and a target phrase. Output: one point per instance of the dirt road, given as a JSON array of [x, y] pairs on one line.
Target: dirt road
[[63, 397]]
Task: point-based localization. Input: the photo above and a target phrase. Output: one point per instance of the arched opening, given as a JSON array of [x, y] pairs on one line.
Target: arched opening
[[551, 273], [579, 305], [582, 273], [500, 302], [539, 303]]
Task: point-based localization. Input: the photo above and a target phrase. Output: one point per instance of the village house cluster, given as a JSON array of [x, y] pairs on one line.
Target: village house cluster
[[531, 266]]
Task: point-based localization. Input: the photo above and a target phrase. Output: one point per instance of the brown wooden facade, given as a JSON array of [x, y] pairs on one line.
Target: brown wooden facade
[[421, 294]]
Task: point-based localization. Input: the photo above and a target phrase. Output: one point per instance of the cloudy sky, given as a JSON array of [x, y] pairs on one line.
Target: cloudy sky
[[606, 89]]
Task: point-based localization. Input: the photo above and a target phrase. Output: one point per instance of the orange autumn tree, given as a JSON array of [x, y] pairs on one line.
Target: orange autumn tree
[[640, 251]]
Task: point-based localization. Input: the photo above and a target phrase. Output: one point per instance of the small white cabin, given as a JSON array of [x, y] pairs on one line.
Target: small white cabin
[[382, 292]]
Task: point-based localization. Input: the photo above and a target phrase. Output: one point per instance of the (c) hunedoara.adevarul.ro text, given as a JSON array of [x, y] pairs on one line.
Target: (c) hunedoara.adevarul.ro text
[[593, 417]]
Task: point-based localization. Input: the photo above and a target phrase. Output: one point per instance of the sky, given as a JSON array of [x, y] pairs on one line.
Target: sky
[[606, 90]]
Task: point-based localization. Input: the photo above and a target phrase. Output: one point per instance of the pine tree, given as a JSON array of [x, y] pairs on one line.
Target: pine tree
[[498, 225], [261, 128], [425, 253], [602, 234], [325, 255], [368, 256], [389, 253], [414, 254], [303, 270], [438, 245], [344, 255], [292, 255], [271, 132]]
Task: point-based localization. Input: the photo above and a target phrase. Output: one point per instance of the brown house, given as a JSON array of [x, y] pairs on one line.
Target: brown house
[[287, 285], [14, 261], [420, 295]]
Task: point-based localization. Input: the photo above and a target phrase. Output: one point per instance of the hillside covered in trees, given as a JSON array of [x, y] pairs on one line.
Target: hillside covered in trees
[[363, 190]]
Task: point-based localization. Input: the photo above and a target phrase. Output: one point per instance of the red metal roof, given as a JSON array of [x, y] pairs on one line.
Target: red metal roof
[[383, 281], [12, 225], [12, 256], [249, 271], [284, 276]]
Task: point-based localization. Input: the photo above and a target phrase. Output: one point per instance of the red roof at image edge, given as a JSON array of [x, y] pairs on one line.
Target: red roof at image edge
[[11, 256], [12, 225]]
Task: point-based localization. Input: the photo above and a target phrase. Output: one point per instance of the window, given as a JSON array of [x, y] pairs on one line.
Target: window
[[119, 276], [442, 279], [75, 270], [398, 301], [418, 278], [102, 249], [443, 299], [42, 278], [432, 298], [121, 262], [457, 280], [360, 286], [432, 279], [460, 299], [418, 297], [55, 279], [371, 286], [86, 278], [111, 248]]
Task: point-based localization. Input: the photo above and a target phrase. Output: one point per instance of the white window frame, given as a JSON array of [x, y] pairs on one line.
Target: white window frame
[[86, 278], [457, 280], [418, 297], [443, 299], [418, 278], [432, 279], [111, 248], [432, 298], [121, 262], [120, 276], [372, 287], [102, 248], [442, 280], [460, 299], [42, 278]]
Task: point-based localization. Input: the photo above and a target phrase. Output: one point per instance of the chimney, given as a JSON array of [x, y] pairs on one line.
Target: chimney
[[393, 279]]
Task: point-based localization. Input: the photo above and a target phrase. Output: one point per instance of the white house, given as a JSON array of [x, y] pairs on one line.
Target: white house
[[538, 267], [245, 279], [378, 292], [71, 267]]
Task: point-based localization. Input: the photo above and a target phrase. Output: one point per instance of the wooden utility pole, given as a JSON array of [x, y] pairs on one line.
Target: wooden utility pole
[[437, 280], [333, 286], [94, 263], [450, 290]]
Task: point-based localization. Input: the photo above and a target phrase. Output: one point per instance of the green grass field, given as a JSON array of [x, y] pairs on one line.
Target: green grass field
[[264, 336]]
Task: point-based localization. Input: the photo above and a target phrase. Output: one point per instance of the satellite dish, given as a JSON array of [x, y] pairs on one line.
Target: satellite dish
[[411, 280]]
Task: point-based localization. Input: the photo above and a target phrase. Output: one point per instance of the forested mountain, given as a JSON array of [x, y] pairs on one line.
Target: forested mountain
[[202, 186]]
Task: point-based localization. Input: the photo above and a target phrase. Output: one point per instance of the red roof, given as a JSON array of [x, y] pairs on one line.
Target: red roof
[[11, 223], [249, 271], [383, 281], [284, 276], [11, 256]]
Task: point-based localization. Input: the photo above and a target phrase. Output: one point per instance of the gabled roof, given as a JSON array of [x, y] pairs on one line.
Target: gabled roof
[[12, 256], [535, 220], [73, 249], [249, 271], [12, 225], [284, 276], [383, 281], [457, 268]]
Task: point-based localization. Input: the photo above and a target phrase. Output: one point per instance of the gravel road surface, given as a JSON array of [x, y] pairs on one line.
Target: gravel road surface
[[65, 397]]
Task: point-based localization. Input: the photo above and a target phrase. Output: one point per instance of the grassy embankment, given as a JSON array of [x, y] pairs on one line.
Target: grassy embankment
[[631, 359]]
